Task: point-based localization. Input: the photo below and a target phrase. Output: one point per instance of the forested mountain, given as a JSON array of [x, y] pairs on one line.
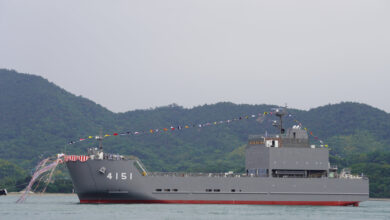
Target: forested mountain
[[38, 119]]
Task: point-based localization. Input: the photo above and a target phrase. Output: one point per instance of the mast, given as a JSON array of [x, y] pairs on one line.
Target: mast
[[100, 139], [280, 112]]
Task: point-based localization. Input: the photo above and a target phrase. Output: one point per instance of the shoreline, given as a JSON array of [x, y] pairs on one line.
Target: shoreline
[[43, 194], [379, 199]]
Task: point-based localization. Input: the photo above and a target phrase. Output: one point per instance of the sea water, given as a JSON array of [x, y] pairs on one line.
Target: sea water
[[58, 207]]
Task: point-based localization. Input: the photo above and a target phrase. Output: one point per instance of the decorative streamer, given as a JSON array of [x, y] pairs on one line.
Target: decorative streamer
[[179, 127], [259, 117], [41, 168]]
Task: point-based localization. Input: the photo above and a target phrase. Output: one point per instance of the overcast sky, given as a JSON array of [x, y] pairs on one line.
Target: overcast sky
[[137, 54]]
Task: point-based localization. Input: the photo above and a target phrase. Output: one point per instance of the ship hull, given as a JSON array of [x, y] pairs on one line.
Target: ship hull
[[226, 202], [122, 182]]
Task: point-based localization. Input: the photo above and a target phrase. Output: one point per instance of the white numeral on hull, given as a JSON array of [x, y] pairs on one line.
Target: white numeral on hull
[[121, 176]]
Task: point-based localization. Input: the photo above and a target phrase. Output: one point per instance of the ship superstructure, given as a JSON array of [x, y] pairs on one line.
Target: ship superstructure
[[281, 169]]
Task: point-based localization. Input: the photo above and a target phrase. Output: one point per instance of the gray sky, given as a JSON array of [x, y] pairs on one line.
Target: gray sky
[[136, 54]]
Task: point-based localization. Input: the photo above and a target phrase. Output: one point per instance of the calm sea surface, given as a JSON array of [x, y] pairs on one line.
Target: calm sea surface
[[67, 207]]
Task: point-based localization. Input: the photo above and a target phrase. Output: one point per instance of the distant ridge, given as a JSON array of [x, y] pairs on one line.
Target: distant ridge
[[38, 118]]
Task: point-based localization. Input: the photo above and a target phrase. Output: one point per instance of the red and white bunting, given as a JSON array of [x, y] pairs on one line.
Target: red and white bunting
[[81, 158]]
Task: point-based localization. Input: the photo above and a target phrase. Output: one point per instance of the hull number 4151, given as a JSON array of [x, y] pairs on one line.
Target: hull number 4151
[[119, 176]]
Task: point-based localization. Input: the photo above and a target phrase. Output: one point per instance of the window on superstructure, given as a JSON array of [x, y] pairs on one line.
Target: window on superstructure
[[217, 190], [233, 190], [175, 190], [167, 190], [208, 190], [256, 142], [158, 190]]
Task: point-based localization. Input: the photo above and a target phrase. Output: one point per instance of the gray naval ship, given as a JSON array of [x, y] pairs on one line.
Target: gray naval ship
[[283, 169]]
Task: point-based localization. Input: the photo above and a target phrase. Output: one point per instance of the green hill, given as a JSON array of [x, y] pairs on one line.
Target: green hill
[[38, 119]]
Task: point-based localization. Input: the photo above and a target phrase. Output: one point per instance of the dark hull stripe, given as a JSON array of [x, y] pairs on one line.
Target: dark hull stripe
[[314, 203]]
